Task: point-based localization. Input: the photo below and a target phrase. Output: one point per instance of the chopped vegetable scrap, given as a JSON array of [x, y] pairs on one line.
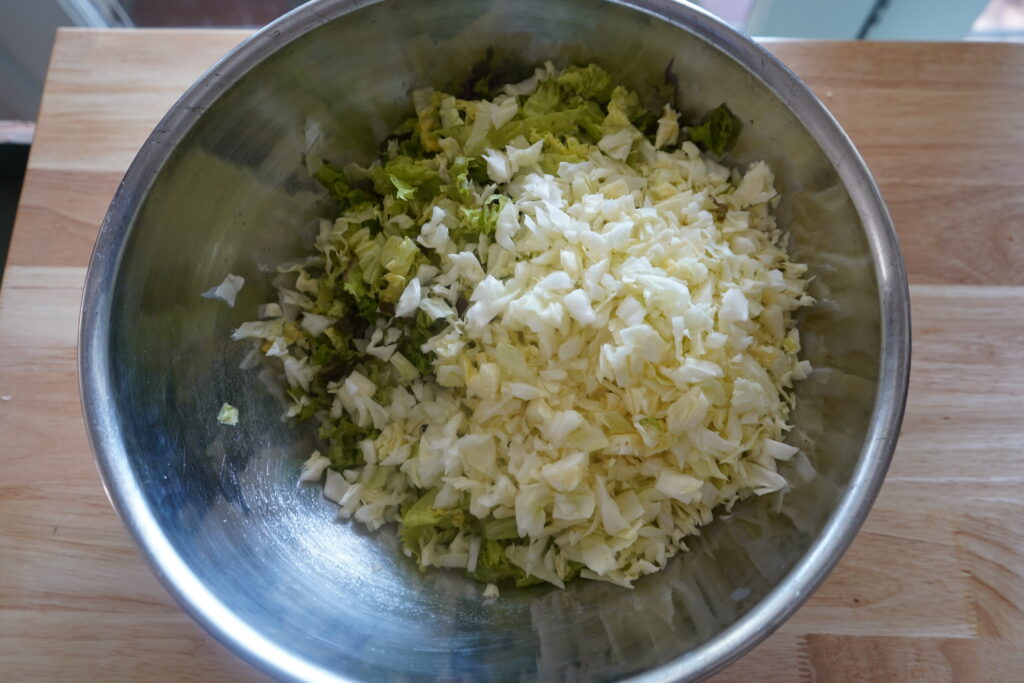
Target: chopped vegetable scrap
[[227, 290], [547, 333], [228, 415]]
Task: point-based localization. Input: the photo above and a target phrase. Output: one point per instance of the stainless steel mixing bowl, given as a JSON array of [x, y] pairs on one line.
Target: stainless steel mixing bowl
[[220, 187]]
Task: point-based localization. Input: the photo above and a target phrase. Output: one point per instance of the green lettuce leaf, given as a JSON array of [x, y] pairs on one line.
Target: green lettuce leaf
[[481, 220], [623, 107], [423, 512], [343, 437], [584, 121], [590, 82], [718, 131], [558, 149], [493, 566], [544, 100], [413, 178], [414, 335], [341, 188], [500, 529]]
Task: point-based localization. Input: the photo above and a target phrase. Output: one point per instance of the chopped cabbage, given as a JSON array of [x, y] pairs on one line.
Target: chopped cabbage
[[313, 469], [228, 415], [226, 291], [544, 333]]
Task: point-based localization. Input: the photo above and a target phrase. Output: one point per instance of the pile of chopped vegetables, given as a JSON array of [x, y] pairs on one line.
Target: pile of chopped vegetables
[[547, 334]]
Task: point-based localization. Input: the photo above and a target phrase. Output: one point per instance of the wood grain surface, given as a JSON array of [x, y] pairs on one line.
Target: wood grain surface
[[932, 588]]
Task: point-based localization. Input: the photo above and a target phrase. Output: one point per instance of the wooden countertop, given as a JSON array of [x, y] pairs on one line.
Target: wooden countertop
[[932, 588]]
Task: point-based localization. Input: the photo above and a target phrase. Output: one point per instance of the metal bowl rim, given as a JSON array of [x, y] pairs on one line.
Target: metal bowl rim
[[125, 491]]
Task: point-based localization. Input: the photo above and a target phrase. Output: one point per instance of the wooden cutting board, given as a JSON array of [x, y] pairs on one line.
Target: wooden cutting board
[[931, 590]]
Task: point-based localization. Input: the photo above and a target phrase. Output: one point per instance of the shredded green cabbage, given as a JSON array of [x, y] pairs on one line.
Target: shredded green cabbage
[[543, 334]]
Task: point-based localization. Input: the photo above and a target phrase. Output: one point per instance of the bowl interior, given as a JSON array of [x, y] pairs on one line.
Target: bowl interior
[[234, 196]]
